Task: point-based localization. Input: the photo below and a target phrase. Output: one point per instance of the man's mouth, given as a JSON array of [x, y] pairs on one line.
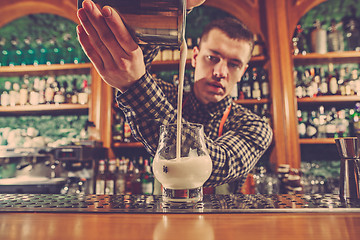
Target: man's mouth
[[216, 85]]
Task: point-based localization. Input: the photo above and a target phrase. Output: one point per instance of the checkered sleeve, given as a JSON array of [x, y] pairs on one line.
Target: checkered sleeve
[[146, 108], [236, 152]]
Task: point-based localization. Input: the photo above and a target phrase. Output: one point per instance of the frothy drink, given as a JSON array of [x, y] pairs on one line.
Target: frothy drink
[[183, 173]]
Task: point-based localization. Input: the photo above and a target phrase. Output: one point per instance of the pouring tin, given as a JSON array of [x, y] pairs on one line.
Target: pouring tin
[[156, 22]]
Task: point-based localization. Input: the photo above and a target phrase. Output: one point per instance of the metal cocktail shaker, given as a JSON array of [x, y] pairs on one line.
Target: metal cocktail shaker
[[348, 149], [160, 22]]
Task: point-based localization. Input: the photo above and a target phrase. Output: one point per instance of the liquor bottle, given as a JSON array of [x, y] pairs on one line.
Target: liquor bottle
[[335, 38], [14, 94], [190, 47], [258, 46], [4, 53], [15, 54], [331, 119], [42, 88], [264, 84], [49, 90], [333, 86], [83, 96], [55, 56], [28, 52], [302, 119], [342, 124], [118, 127], [356, 79], [75, 92], [298, 84], [265, 113], [355, 120], [318, 38], [256, 92], [59, 95], [299, 41], [312, 126], [129, 178], [120, 176], [70, 54], [341, 81], [5, 95], [323, 87], [127, 132], [110, 177], [147, 179], [41, 52], [246, 86], [322, 122], [35, 92], [351, 29], [136, 182], [100, 178], [23, 92]]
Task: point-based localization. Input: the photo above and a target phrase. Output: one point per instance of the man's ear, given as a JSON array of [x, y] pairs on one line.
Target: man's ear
[[194, 56], [243, 71]]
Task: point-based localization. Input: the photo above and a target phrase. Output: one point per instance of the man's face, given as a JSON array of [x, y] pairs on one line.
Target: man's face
[[219, 64]]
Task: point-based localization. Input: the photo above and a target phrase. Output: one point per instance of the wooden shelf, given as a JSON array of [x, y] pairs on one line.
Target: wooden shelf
[[331, 57], [328, 99], [317, 141], [44, 109], [251, 101], [127, 145], [44, 69]]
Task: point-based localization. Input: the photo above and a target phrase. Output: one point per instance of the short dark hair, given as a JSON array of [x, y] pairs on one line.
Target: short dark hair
[[232, 27]]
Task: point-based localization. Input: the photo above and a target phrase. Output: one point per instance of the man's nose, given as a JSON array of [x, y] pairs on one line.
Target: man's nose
[[221, 69]]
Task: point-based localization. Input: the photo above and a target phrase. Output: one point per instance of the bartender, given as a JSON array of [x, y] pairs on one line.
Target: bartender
[[235, 137]]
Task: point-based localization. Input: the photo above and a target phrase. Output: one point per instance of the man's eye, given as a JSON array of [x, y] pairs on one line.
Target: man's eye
[[234, 65], [213, 59]]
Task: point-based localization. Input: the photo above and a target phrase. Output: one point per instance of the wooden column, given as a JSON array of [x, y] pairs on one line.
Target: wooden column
[[281, 74]]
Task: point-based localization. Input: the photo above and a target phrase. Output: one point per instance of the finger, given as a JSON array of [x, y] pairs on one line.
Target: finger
[[94, 38], [103, 32], [89, 50], [119, 29]]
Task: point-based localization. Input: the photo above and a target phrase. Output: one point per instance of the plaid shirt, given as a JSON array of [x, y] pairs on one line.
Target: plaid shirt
[[150, 103]]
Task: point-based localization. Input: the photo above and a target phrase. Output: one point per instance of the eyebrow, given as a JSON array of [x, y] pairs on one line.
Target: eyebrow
[[231, 59]]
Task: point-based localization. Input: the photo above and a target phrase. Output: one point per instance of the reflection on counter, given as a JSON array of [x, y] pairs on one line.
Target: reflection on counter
[[193, 228]]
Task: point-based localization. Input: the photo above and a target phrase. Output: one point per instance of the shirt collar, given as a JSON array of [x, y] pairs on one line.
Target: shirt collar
[[211, 108]]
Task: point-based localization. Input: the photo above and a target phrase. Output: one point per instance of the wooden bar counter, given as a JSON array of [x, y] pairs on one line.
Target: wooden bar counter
[[22, 217]]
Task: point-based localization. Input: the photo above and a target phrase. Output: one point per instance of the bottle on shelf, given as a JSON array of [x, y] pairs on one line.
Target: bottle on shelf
[[323, 86], [15, 54], [83, 96], [75, 92], [34, 95], [49, 90], [312, 125], [299, 41], [28, 52], [118, 127], [355, 120], [5, 95], [246, 86], [322, 122], [302, 119], [23, 92], [264, 84], [342, 124], [335, 37], [256, 92], [147, 179], [14, 94], [352, 30], [41, 52], [333, 87], [318, 38], [54, 53], [4, 53], [100, 178], [331, 119], [110, 177], [120, 176]]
